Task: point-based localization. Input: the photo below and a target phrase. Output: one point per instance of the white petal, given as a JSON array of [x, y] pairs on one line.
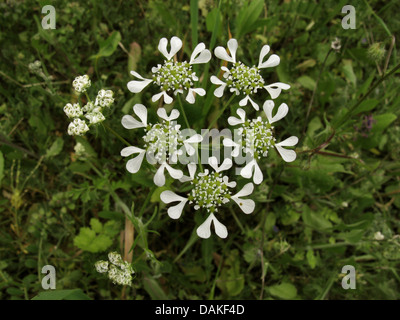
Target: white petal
[[272, 61], [190, 96], [133, 165], [192, 169], [203, 55], [221, 53], [231, 184], [137, 75], [130, 122], [204, 230], [141, 111], [268, 107], [247, 170], [159, 178], [232, 46], [275, 89], [137, 86], [287, 155], [126, 152], [245, 191], [196, 138], [258, 175], [220, 229], [244, 101], [230, 143], [247, 205], [219, 91], [176, 45], [174, 173], [216, 80], [235, 121], [175, 212], [167, 98], [226, 164], [289, 142], [169, 196], [264, 51], [162, 113]]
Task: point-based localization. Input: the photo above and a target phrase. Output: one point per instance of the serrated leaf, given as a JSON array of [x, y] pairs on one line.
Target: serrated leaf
[[96, 225]]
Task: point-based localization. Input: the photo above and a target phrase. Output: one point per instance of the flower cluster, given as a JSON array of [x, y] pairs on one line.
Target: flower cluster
[[208, 189], [118, 271], [90, 112], [173, 77]]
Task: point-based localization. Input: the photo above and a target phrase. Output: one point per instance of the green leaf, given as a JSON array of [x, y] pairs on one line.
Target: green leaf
[[312, 260], [96, 225], [366, 105], [73, 294], [349, 72], [382, 121], [108, 46], [248, 16], [284, 290], [213, 20], [153, 289], [315, 220], [55, 148], [306, 82], [1, 167]]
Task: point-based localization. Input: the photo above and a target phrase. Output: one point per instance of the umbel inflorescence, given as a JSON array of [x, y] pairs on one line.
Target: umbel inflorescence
[[91, 113], [163, 144]]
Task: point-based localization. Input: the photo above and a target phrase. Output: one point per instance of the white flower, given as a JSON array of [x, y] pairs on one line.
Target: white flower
[[81, 83], [104, 98], [242, 79], [173, 77], [101, 266], [256, 138], [73, 111], [163, 142], [95, 117], [88, 107], [80, 150], [78, 127], [210, 190], [379, 236], [119, 272]]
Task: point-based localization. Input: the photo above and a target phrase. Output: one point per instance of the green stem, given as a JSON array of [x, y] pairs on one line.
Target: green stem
[[183, 112], [221, 112], [344, 118], [117, 135]]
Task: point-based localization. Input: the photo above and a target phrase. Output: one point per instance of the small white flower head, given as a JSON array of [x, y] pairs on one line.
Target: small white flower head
[[210, 190], [379, 236], [119, 271], [88, 107], [244, 80], [115, 258], [336, 44], [73, 110], [80, 150], [104, 98], [256, 138], [163, 142], [173, 77], [101, 266], [78, 127], [95, 116], [81, 83]]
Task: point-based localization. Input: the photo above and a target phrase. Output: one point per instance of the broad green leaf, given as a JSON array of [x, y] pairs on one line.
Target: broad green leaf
[[306, 82], [382, 121], [315, 220], [311, 259], [348, 71], [108, 46], [247, 18], [96, 225], [366, 105], [73, 294], [284, 290], [55, 148]]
